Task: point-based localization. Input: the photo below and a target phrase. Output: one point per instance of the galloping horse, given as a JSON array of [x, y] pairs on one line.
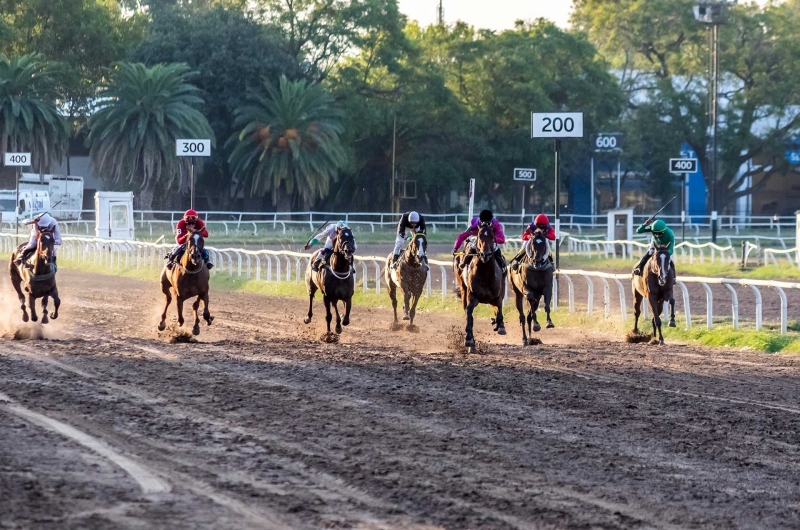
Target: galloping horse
[[410, 276], [39, 277], [188, 278], [335, 280], [481, 281], [655, 284], [532, 280]]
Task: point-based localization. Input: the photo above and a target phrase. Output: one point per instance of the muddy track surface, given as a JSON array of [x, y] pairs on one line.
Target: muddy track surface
[[261, 425]]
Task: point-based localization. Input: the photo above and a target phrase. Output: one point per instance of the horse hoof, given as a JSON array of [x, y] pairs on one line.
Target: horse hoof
[[54, 316], [537, 327], [338, 330], [672, 323], [524, 341], [34, 318], [494, 321], [470, 349], [346, 322], [180, 322], [45, 320], [162, 326], [406, 317], [469, 343], [550, 325], [196, 330], [307, 320], [501, 331], [24, 317]]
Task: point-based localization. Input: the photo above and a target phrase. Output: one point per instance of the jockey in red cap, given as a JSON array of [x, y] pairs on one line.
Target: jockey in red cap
[[542, 223], [190, 223]]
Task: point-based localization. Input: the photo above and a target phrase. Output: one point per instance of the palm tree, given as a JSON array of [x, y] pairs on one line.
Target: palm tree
[[142, 111], [288, 142], [29, 117]]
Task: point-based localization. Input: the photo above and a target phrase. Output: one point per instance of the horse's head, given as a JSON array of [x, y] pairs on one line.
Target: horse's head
[[485, 243], [45, 246], [661, 265], [537, 248], [417, 249], [194, 248], [345, 243]]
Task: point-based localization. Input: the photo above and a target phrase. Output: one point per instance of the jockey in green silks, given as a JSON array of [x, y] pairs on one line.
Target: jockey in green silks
[[662, 237]]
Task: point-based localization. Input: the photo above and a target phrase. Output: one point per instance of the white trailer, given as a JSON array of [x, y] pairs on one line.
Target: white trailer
[[114, 215], [31, 203], [66, 193]]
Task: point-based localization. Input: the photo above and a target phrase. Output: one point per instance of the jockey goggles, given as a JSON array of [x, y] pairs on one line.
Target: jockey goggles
[[191, 218]]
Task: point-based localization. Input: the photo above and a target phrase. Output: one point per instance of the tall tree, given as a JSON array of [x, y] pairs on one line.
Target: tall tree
[[288, 144], [29, 118], [142, 111]]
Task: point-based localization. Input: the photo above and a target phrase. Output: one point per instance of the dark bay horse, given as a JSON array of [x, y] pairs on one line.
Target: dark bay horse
[[335, 280], [481, 281], [532, 280], [410, 276], [655, 284], [38, 277], [188, 278]]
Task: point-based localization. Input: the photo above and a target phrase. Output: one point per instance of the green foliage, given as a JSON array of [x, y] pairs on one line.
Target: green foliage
[[29, 119], [288, 142], [141, 114]]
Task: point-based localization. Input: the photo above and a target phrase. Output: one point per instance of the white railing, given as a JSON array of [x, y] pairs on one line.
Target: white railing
[[624, 248], [288, 266]]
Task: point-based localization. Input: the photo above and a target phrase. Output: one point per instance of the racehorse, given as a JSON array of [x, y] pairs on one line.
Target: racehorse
[[481, 281], [188, 278], [38, 277], [410, 276], [532, 280], [655, 284], [335, 280]]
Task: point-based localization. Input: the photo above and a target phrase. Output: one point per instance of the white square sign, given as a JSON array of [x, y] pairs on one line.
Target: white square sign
[[18, 159], [185, 147], [556, 124]]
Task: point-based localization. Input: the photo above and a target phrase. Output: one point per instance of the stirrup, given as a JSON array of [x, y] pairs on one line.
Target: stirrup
[[209, 265], [637, 271]]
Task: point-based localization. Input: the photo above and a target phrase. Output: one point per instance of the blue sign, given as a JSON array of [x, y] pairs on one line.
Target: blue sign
[[793, 157]]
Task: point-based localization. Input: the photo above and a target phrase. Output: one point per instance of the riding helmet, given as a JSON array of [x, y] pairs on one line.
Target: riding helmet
[[486, 216], [190, 214], [44, 220], [541, 220], [413, 217], [659, 227], [341, 224]]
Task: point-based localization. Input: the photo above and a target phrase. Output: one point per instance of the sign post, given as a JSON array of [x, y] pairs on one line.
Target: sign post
[[471, 199], [557, 125], [18, 160], [192, 148], [607, 143], [525, 175], [683, 166]]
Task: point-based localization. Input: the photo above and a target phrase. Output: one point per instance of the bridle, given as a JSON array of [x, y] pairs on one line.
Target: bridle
[[196, 255], [662, 265], [540, 262], [416, 249], [485, 229]]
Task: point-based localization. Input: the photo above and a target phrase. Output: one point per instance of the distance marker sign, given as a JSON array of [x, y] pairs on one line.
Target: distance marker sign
[[556, 124], [18, 159], [683, 165], [193, 147], [528, 175]]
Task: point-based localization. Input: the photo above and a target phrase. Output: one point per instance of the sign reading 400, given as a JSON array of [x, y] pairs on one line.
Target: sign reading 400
[[18, 159], [193, 147]]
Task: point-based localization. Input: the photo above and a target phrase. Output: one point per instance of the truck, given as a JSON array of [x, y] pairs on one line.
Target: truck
[[31, 203], [66, 193]]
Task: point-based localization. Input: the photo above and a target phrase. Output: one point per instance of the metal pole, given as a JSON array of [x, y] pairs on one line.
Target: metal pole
[[715, 120], [16, 207], [683, 207], [555, 202], [191, 184], [524, 185], [394, 148], [619, 181], [592, 209]]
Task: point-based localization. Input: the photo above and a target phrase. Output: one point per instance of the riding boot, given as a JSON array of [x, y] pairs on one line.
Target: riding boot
[[395, 260], [207, 259], [501, 260], [322, 259], [515, 261], [25, 255], [640, 266]]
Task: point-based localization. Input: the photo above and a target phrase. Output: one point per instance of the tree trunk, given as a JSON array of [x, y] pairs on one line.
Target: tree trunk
[[146, 199]]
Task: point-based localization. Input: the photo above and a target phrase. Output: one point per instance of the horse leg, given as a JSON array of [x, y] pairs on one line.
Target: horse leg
[[406, 305], [45, 299], [56, 302], [32, 307], [312, 290], [637, 309], [17, 282], [393, 297], [413, 310], [166, 288], [206, 313], [498, 315], [195, 307], [469, 340], [548, 297], [335, 304], [671, 311], [521, 311], [653, 299], [348, 305], [533, 306], [328, 314], [179, 304]]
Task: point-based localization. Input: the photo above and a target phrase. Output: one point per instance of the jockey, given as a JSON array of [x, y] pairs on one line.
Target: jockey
[[329, 233], [41, 223], [540, 223], [662, 237], [187, 226], [412, 221], [485, 216]]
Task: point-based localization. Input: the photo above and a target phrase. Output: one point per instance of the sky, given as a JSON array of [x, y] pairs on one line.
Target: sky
[[491, 14]]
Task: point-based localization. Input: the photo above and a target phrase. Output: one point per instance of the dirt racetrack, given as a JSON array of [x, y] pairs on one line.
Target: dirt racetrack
[[261, 425]]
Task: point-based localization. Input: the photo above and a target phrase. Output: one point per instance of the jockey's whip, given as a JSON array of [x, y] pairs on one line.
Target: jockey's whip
[[35, 218], [326, 223], [652, 218]]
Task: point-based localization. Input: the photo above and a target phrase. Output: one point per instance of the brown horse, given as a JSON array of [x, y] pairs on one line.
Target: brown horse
[[38, 277], [481, 281], [335, 280], [410, 276], [531, 280], [188, 278], [655, 284]]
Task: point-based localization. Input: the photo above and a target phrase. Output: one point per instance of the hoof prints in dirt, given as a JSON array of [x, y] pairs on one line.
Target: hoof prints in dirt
[[32, 332], [637, 338], [455, 342], [533, 341], [329, 337], [182, 337]]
